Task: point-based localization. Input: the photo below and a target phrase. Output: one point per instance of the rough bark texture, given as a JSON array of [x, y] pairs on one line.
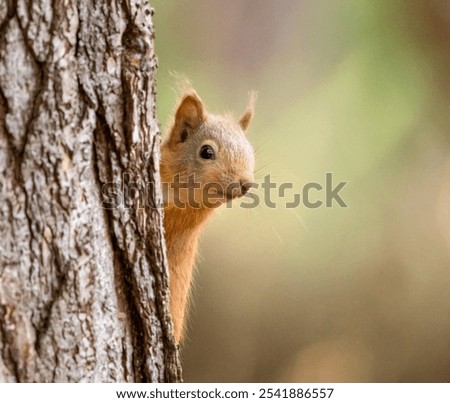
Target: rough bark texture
[[83, 290]]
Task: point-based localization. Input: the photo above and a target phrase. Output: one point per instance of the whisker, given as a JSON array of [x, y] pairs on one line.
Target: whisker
[[264, 166], [261, 145]]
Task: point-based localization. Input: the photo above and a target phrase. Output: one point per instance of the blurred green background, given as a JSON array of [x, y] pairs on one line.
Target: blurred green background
[[357, 88]]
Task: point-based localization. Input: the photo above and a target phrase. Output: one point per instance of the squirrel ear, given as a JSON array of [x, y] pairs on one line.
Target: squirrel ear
[[191, 111], [246, 118]]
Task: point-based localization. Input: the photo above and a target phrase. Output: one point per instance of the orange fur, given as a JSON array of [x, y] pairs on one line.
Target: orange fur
[[194, 128]]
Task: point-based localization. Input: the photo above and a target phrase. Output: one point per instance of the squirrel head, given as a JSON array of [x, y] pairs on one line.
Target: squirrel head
[[210, 150]]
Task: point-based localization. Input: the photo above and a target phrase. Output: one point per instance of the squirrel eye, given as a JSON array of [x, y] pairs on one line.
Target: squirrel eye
[[207, 153]]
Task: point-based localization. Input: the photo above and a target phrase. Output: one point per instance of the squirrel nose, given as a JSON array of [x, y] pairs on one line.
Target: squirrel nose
[[245, 186]]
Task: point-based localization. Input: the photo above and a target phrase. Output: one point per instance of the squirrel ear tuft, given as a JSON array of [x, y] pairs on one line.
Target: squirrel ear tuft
[[246, 118], [191, 111]]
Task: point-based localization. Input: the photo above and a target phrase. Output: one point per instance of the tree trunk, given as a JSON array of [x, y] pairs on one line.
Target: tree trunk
[[83, 289]]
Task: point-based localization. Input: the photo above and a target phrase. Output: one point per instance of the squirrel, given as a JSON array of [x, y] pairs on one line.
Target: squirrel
[[211, 161]]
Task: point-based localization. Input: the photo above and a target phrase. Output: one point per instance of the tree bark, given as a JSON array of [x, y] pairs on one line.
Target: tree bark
[[83, 289]]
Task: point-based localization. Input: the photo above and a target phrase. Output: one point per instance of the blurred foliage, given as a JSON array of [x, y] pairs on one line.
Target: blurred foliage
[[357, 88]]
